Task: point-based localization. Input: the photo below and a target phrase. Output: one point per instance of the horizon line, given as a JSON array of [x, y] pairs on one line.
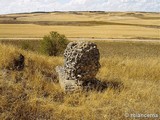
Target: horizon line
[[76, 11]]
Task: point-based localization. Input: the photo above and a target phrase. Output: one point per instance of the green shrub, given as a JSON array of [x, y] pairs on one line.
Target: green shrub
[[53, 44]]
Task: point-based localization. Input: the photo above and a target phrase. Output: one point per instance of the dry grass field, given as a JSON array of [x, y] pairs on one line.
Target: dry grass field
[[134, 67], [131, 69], [81, 24]]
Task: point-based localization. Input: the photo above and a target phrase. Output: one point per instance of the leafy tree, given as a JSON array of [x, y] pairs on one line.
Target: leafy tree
[[53, 44]]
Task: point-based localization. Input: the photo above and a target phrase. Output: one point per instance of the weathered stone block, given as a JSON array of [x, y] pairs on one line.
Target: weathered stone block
[[81, 64]]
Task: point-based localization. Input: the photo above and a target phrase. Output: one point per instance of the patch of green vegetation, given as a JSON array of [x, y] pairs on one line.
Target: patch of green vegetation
[[53, 44]]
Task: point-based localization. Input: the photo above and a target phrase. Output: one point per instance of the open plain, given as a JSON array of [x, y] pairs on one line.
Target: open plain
[[82, 24], [129, 56]]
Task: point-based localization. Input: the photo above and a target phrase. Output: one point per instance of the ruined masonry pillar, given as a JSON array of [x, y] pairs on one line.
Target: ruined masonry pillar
[[81, 63]]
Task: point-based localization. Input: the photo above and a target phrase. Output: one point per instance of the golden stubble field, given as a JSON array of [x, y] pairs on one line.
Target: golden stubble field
[[81, 24]]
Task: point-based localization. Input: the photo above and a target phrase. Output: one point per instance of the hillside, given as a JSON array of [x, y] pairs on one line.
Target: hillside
[[131, 69], [81, 24]]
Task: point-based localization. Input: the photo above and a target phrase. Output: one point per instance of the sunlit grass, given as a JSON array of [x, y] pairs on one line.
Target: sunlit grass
[[37, 97]]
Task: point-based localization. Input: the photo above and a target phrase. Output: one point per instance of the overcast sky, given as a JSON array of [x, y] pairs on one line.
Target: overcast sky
[[18, 6]]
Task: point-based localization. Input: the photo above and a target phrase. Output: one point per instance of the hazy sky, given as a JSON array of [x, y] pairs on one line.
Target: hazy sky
[[17, 6]]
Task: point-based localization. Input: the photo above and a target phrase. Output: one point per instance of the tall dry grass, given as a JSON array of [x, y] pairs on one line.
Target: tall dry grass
[[36, 96]]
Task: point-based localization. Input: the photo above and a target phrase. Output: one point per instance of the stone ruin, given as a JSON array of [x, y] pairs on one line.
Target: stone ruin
[[81, 65], [15, 63], [18, 63], [81, 61]]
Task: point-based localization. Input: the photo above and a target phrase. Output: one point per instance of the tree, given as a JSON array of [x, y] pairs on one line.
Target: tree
[[53, 44]]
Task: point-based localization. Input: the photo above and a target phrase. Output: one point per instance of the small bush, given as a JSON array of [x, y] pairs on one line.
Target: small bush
[[53, 44]]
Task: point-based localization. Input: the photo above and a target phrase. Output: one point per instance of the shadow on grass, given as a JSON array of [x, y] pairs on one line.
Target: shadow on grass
[[97, 85]]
